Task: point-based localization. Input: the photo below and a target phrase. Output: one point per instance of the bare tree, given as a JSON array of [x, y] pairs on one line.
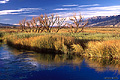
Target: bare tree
[[22, 24], [46, 22], [28, 25], [60, 22], [41, 23], [32, 25], [77, 23], [34, 20]]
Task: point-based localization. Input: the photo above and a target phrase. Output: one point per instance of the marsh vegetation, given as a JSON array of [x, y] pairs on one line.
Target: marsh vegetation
[[87, 43], [52, 34]]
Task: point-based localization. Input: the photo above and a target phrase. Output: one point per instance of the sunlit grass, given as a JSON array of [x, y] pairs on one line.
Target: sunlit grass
[[102, 43], [110, 49], [77, 49], [55, 42]]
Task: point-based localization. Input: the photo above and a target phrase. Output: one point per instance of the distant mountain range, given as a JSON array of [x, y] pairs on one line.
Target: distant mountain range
[[3, 25], [104, 21], [95, 21]]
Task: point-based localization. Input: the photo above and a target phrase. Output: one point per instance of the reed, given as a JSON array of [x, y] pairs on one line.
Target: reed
[[110, 49], [77, 49], [84, 43], [56, 42]]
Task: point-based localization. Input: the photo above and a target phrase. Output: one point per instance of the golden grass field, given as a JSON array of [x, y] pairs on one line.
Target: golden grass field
[[91, 42]]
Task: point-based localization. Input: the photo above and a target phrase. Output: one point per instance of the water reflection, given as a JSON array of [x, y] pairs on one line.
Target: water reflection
[[49, 60], [19, 65], [103, 64], [12, 66], [42, 61]]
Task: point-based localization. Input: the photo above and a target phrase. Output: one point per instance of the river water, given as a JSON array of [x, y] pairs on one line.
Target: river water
[[26, 65]]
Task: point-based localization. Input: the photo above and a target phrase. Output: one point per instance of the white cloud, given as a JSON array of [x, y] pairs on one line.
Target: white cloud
[[15, 24], [70, 5], [7, 19], [19, 11], [90, 12], [87, 14], [3, 1], [89, 5], [77, 7], [30, 15], [30, 9], [61, 9], [105, 8]]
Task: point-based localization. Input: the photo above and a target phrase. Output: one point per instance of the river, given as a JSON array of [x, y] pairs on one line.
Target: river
[[27, 65]]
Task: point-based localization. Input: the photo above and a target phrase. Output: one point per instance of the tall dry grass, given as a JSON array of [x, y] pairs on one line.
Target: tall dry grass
[[110, 49], [53, 42], [77, 49], [98, 44], [68, 44]]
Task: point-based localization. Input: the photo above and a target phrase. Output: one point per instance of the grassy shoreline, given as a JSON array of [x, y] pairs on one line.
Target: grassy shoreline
[[85, 43]]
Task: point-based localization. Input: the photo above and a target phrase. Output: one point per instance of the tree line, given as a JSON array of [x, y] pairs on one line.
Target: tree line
[[46, 23]]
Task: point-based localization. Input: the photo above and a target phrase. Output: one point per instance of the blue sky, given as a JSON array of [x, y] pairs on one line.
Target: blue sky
[[12, 11]]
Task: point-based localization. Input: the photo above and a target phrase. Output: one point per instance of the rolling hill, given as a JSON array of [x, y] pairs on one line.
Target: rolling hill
[[4, 25], [111, 21], [104, 21]]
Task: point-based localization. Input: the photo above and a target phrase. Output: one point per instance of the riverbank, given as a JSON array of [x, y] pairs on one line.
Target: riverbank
[[88, 44], [15, 62]]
